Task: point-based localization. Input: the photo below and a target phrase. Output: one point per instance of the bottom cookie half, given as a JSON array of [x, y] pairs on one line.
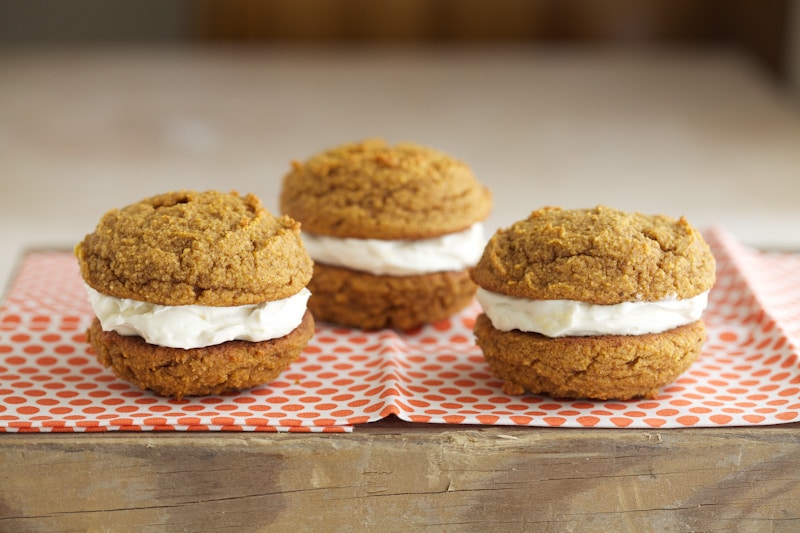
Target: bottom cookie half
[[619, 367], [370, 302], [230, 366]]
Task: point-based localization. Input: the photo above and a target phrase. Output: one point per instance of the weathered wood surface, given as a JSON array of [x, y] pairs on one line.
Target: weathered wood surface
[[392, 476]]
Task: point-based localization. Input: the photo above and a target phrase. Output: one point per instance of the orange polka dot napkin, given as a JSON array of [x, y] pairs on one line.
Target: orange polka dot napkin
[[748, 373]]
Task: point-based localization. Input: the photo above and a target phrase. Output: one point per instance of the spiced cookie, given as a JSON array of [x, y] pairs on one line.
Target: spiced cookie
[[392, 231], [197, 292], [593, 303]]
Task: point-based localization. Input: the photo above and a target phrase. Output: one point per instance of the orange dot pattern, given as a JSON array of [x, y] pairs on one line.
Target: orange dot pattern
[[748, 374]]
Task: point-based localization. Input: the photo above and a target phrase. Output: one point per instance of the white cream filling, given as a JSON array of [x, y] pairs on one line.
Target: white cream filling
[[197, 326], [562, 318], [450, 252]]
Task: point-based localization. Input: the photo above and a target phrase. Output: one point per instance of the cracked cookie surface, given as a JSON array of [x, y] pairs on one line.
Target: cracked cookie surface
[[202, 248], [372, 190], [599, 256]]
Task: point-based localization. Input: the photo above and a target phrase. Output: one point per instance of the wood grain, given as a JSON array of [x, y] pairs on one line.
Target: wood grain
[[392, 476]]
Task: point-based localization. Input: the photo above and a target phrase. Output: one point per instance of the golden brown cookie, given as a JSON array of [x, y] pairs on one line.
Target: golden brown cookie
[[602, 257], [370, 190], [184, 248], [603, 367], [599, 256], [230, 366], [201, 248], [365, 301]]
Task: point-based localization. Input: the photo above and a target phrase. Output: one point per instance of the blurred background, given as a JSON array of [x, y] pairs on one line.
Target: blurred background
[[686, 107], [765, 30]]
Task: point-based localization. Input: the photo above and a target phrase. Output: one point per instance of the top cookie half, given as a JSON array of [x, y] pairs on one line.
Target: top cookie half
[[376, 191], [599, 256], [203, 248]]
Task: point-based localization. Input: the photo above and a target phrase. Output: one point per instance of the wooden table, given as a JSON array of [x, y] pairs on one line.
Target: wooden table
[[702, 135], [393, 476]]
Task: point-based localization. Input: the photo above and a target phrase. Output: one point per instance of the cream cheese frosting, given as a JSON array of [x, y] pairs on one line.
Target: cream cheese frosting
[[562, 318], [450, 252], [197, 326]]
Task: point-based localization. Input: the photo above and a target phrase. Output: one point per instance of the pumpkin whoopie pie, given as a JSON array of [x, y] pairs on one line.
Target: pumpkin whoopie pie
[[392, 231], [592, 303], [197, 293]]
